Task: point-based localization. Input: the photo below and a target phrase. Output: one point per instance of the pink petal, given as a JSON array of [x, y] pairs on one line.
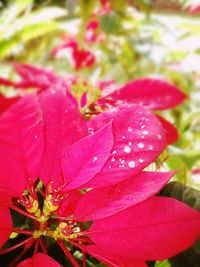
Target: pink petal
[[63, 126], [6, 102], [83, 101], [171, 133], [39, 260], [37, 77], [138, 139], [68, 206], [86, 157], [103, 202], [110, 260], [21, 145], [5, 224], [155, 229], [34, 74], [83, 58], [6, 82], [154, 93]]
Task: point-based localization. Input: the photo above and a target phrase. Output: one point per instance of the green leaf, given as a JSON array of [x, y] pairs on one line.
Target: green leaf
[[110, 23], [183, 193], [162, 264]]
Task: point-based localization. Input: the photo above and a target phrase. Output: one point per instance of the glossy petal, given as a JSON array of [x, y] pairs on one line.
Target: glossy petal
[[155, 229], [21, 145], [154, 93], [86, 157], [39, 260], [138, 139], [103, 202], [170, 131], [63, 126], [5, 224], [68, 206], [6, 102], [112, 261]]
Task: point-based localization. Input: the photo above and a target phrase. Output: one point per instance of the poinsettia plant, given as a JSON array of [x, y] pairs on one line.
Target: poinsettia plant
[[87, 145], [82, 184]]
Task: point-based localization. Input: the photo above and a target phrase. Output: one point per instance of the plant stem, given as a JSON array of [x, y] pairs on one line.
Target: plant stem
[[7, 250], [68, 254]]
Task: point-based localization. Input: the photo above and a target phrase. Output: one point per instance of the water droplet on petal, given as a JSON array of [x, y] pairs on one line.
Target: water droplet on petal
[[127, 149], [130, 129], [112, 159], [114, 152], [150, 147], [130, 143], [140, 145], [95, 158], [35, 136], [145, 132], [159, 136], [90, 131], [131, 164], [141, 160]]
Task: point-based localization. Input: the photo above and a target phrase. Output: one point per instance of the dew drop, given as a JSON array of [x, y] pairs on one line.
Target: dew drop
[[159, 136], [131, 164], [90, 131], [130, 143], [112, 159], [150, 147], [145, 132], [141, 160], [35, 136], [123, 137], [141, 145], [130, 129], [114, 152], [127, 149], [95, 158]]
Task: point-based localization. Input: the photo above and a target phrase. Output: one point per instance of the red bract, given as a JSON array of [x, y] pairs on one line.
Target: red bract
[[79, 57], [155, 93], [48, 155], [39, 260], [6, 102]]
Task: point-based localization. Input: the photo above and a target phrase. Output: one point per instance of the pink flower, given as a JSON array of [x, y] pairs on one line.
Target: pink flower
[[48, 155], [79, 57], [31, 77]]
